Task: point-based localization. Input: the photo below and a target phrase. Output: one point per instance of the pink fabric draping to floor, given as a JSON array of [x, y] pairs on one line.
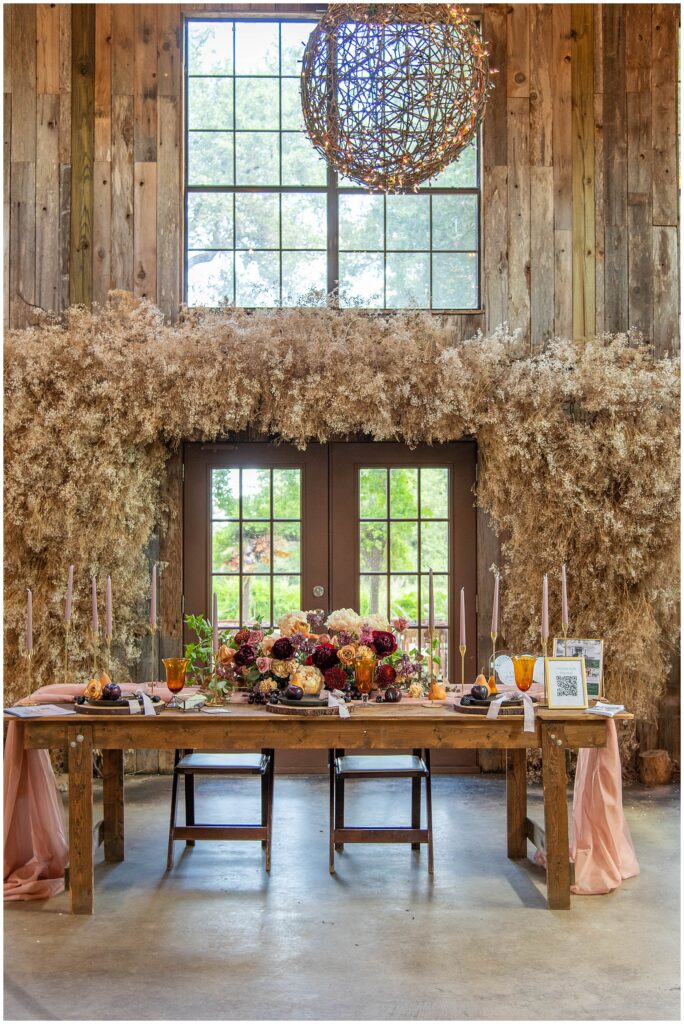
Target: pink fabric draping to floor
[[36, 851]]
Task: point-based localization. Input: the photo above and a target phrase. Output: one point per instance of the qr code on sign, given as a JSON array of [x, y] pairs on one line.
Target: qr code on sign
[[566, 686]]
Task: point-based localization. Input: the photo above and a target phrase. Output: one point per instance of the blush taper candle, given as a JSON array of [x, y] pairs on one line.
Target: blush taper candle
[[495, 607], [108, 606], [565, 618], [29, 622], [93, 589], [153, 598], [545, 610], [462, 639], [214, 624]]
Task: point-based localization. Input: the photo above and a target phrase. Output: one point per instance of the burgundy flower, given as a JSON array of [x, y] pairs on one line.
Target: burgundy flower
[[245, 655], [385, 675], [335, 678], [283, 649], [325, 656], [384, 643], [242, 636]]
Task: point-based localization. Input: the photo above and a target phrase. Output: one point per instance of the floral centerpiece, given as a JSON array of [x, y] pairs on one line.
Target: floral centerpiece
[[306, 654]]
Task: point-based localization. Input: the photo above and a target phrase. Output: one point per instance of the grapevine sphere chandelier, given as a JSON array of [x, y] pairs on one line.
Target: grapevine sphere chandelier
[[391, 93]]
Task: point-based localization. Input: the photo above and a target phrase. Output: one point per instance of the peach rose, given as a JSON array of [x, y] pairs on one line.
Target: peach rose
[[267, 644], [225, 654], [347, 654]]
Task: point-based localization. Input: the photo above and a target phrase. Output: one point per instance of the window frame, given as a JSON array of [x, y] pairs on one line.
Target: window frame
[[331, 190]]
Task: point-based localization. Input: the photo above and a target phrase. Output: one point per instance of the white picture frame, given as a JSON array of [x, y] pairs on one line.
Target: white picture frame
[[565, 683], [592, 652]]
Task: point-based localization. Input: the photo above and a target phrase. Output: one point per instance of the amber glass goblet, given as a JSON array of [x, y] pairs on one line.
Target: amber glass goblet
[[175, 676], [523, 668], [364, 673]]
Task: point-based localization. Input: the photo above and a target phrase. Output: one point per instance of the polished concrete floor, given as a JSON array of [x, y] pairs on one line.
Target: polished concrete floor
[[218, 939]]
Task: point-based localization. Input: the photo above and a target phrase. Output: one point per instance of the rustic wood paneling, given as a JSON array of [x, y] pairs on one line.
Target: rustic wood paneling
[[579, 162]]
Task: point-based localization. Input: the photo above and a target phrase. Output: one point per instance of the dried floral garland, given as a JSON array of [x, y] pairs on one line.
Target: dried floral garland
[[391, 93], [579, 443]]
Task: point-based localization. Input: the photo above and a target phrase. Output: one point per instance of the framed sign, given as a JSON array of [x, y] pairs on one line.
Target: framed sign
[[592, 652], [565, 683]]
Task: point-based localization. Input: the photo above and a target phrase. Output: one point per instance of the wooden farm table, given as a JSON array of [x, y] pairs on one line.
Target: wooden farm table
[[374, 727]]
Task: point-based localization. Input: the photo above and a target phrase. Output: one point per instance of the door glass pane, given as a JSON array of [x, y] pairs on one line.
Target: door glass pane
[[434, 546], [373, 595], [403, 493], [434, 493], [373, 493], [404, 547], [255, 543], [373, 547]]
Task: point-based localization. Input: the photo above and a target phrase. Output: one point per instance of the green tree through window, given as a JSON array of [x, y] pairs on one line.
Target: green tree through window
[[258, 198]]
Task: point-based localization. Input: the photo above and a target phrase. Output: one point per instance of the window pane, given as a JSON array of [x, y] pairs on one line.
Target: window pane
[[404, 597], [256, 221], [210, 48], [225, 547], [286, 547], [210, 279], [301, 163], [404, 547], [227, 590], [403, 493], [286, 493], [462, 173], [286, 595], [304, 221], [362, 280], [373, 547], [434, 492], [434, 547], [305, 278], [225, 493], [210, 221], [256, 48], [210, 103], [291, 104], [256, 158], [361, 222], [210, 158], [256, 547], [454, 281], [408, 222], [256, 493], [408, 280], [373, 595], [257, 103], [441, 591], [454, 222], [372, 493], [258, 279], [294, 37], [256, 599]]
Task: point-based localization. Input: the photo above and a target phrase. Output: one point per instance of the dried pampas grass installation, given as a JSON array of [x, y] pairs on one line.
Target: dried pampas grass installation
[[579, 445]]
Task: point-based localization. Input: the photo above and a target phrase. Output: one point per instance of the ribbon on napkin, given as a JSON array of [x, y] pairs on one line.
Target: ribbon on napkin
[[336, 700], [147, 705], [528, 708]]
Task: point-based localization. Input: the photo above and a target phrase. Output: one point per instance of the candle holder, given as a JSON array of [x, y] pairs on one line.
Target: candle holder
[[67, 630], [215, 698], [94, 639], [564, 627], [153, 658], [29, 673], [462, 650], [493, 636]]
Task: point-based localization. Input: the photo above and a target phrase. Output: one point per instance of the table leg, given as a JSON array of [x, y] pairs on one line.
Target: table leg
[[113, 799], [556, 818], [80, 739], [516, 801]]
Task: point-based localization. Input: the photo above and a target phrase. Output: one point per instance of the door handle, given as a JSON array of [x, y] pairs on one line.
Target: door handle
[[318, 591]]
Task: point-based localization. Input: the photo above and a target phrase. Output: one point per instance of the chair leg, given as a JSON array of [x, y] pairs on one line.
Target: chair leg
[[415, 803], [428, 802], [174, 797], [189, 804], [264, 805], [269, 809], [339, 808], [331, 833]]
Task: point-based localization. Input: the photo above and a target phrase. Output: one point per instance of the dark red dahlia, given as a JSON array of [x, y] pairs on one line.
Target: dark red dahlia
[[335, 678], [242, 636], [283, 649], [325, 656], [245, 655], [385, 675], [384, 643]]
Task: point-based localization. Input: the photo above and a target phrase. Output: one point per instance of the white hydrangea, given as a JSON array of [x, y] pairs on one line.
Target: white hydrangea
[[376, 622], [344, 620]]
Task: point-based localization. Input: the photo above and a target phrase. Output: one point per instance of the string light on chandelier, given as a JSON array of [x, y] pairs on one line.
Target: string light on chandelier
[[392, 93]]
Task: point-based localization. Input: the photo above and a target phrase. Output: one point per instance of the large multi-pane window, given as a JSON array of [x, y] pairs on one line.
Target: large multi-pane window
[[269, 224]]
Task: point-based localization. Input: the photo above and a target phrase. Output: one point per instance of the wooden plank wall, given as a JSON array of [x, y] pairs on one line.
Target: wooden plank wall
[[580, 218]]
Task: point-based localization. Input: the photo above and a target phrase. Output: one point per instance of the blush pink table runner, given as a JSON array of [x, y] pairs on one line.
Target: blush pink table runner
[[36, 850]]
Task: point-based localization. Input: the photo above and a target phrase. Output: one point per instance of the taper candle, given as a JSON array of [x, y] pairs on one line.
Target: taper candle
[[69, 594], [545, 610], [214, 624], [108, 603], [565, 618], [431, 604], [29, 621], [153, 598], [93, 587], [462, 640], [495, 607]]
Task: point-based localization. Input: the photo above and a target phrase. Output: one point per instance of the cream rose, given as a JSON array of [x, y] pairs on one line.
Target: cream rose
[[378, 622], [282, 669], [293, 622], [344, 620]]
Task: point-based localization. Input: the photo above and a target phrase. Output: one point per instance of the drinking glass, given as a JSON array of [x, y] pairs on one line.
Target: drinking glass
[[523, 668], [175, 676]]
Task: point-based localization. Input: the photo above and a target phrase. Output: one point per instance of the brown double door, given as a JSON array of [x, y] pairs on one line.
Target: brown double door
[[271, 529]]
